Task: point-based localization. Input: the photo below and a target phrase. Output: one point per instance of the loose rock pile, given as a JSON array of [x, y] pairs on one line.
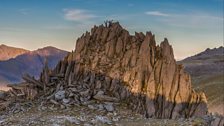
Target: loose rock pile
[[61, 94]]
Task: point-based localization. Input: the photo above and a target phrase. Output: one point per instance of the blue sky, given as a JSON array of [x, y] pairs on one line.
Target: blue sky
[[190, 25]]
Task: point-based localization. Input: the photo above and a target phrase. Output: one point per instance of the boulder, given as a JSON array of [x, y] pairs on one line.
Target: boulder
[[109, 107], [101, 97]]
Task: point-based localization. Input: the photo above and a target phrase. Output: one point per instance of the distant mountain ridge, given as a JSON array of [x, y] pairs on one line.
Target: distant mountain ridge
[[7, 52], [207, 53], [205, 63], [30, 62], [207, 72]]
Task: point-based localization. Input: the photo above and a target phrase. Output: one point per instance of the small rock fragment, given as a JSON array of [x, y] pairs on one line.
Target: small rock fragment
[[60, 95], [101, 97], [103, 119], [109, 107], [66, 101]]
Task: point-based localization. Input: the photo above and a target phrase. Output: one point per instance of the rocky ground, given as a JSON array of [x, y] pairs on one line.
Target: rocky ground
[[95, 113]]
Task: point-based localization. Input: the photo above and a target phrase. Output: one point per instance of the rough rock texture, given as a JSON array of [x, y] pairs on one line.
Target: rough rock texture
[[218, 121], [132, 69]]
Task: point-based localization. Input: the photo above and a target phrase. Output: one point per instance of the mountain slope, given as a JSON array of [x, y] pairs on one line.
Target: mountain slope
[[207, 71], [31, 62], [7, 52]]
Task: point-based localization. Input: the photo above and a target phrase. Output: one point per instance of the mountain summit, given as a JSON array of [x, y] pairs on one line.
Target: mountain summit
[[7, 52], [31, 62], [210, 61]]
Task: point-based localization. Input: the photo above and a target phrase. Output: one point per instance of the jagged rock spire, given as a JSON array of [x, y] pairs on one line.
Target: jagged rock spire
[[134, 69]]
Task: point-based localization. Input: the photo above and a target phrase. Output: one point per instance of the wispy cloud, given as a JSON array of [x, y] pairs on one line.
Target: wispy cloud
[[77, 15], [157, 13], [24, 11], [130, 4], [59, 27], [192, 20]]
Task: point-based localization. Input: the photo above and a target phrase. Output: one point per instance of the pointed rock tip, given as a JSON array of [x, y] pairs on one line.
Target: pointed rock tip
[[149, 33], [107, 24], [207, 49], [203, 97], [165, 42], [221, 47], [114, 23], [111, 23]]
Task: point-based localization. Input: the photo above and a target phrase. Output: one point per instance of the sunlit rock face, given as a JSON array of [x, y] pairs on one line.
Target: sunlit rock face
[[133, 69]]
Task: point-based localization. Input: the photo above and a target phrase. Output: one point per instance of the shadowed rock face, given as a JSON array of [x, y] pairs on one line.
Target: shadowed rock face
[[133, 69]]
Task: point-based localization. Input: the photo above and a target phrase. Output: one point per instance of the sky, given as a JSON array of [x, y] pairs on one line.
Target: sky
[[191, 26]]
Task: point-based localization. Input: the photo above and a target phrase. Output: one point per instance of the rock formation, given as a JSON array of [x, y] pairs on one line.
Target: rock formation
[[109, 64], [132, 69]]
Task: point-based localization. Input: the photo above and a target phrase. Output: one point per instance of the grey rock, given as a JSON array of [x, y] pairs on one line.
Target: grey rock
[[60, 95], [2, 120], [91, 107], [105, 98], [85, 93], [109, 107], [73, 120], [100, 93], [87, 124], [218, 121], [100, 107], [103, 119], [98, 84], [66, 101]]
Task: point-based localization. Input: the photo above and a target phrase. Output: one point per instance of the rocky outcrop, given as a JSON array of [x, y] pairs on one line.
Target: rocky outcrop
[[111, 65], [133, 69]]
